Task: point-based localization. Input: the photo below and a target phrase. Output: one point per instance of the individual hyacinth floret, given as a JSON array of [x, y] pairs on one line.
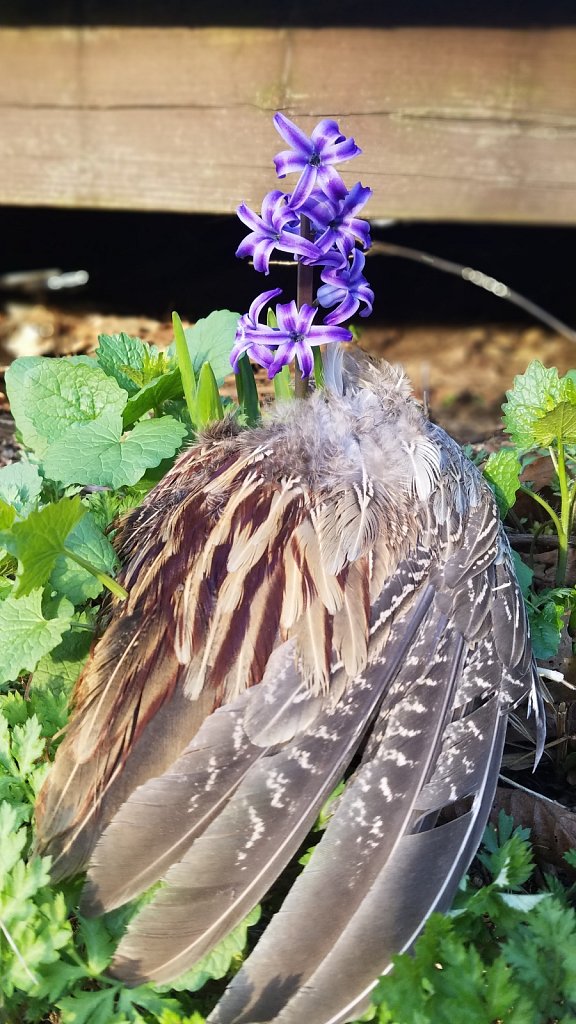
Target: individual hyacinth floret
[[347, 286], [336, 223], [293, 338], [278, 227], [314, 157], [318, 223]]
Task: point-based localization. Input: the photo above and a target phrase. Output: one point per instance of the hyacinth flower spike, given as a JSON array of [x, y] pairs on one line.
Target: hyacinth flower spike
[[329, 593]]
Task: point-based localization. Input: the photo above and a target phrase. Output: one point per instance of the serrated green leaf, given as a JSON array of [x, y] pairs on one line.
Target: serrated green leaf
[[20, 486], [570, 855], [38, 540], [116, 352], [545, 629], [557, 426], [54, 677], [25, 635], [211, 340], [88, 542], [208, 402], [502, 471], [88, 1007], [96, 453], [49, 397], [27, 744], [535, 393], [97, 943]]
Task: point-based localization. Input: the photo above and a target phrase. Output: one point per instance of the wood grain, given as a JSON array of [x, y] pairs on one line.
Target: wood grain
[[455, 124]]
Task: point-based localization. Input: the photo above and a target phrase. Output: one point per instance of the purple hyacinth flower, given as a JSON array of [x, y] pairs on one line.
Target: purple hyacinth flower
[[293, 338], [249, 322], [347, 286], [278, 227], [336, 223], [314, 157]]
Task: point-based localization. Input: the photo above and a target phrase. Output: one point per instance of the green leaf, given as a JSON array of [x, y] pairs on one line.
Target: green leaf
[[524, 574], [116, 353], [88, 542], [546, 623], [247, 392], [88, 1007], [187, 372], [98, 945], [20, 486], [96, 453], [211, 340], [152, 395], [510, 864], [49, 397], [38, 540], [27, 744], [33, 917], [283, 389], [502, 471], [557, 426], [208, 402], [7, 516], [318, 368], [535, 393], [570, 855], [56, 673], [25, 635]]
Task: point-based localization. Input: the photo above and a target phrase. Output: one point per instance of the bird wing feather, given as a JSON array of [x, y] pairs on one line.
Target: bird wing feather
[[276, 625]]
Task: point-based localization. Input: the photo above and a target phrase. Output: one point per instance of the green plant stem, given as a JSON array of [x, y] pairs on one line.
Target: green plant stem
[[564, 532], [304, 294], [542, 501], [185, 366], [112, 585]]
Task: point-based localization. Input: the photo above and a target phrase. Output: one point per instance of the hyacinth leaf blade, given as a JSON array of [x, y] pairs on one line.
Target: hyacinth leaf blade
[[283, 390], [185, 366], [208, 401], [318, 368], [247, 392]]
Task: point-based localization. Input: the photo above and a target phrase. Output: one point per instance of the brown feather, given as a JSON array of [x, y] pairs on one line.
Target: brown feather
[[335, 574]]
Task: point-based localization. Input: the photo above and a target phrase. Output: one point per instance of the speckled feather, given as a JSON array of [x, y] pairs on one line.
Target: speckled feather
[[336, 580]]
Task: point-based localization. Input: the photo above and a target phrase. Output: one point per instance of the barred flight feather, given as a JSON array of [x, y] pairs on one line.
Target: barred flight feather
[[333, 584]]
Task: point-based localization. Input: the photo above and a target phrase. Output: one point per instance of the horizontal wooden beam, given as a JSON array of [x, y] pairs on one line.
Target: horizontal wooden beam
[[455, 124]]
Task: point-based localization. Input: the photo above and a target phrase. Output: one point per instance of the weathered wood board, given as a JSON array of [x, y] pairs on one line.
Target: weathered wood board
[[455, 124]]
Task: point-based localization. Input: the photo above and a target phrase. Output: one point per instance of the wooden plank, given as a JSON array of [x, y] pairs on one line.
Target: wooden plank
[[455, 124]]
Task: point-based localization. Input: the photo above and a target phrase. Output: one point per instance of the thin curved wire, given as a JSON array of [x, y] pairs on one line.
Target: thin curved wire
[[477, 277]]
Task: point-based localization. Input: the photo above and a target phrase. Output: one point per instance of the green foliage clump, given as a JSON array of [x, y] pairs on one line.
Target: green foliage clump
[[540, 419], [501, 955], [98, 433]]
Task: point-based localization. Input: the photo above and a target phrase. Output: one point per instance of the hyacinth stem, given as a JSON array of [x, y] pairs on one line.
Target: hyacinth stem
[[304, 294]]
